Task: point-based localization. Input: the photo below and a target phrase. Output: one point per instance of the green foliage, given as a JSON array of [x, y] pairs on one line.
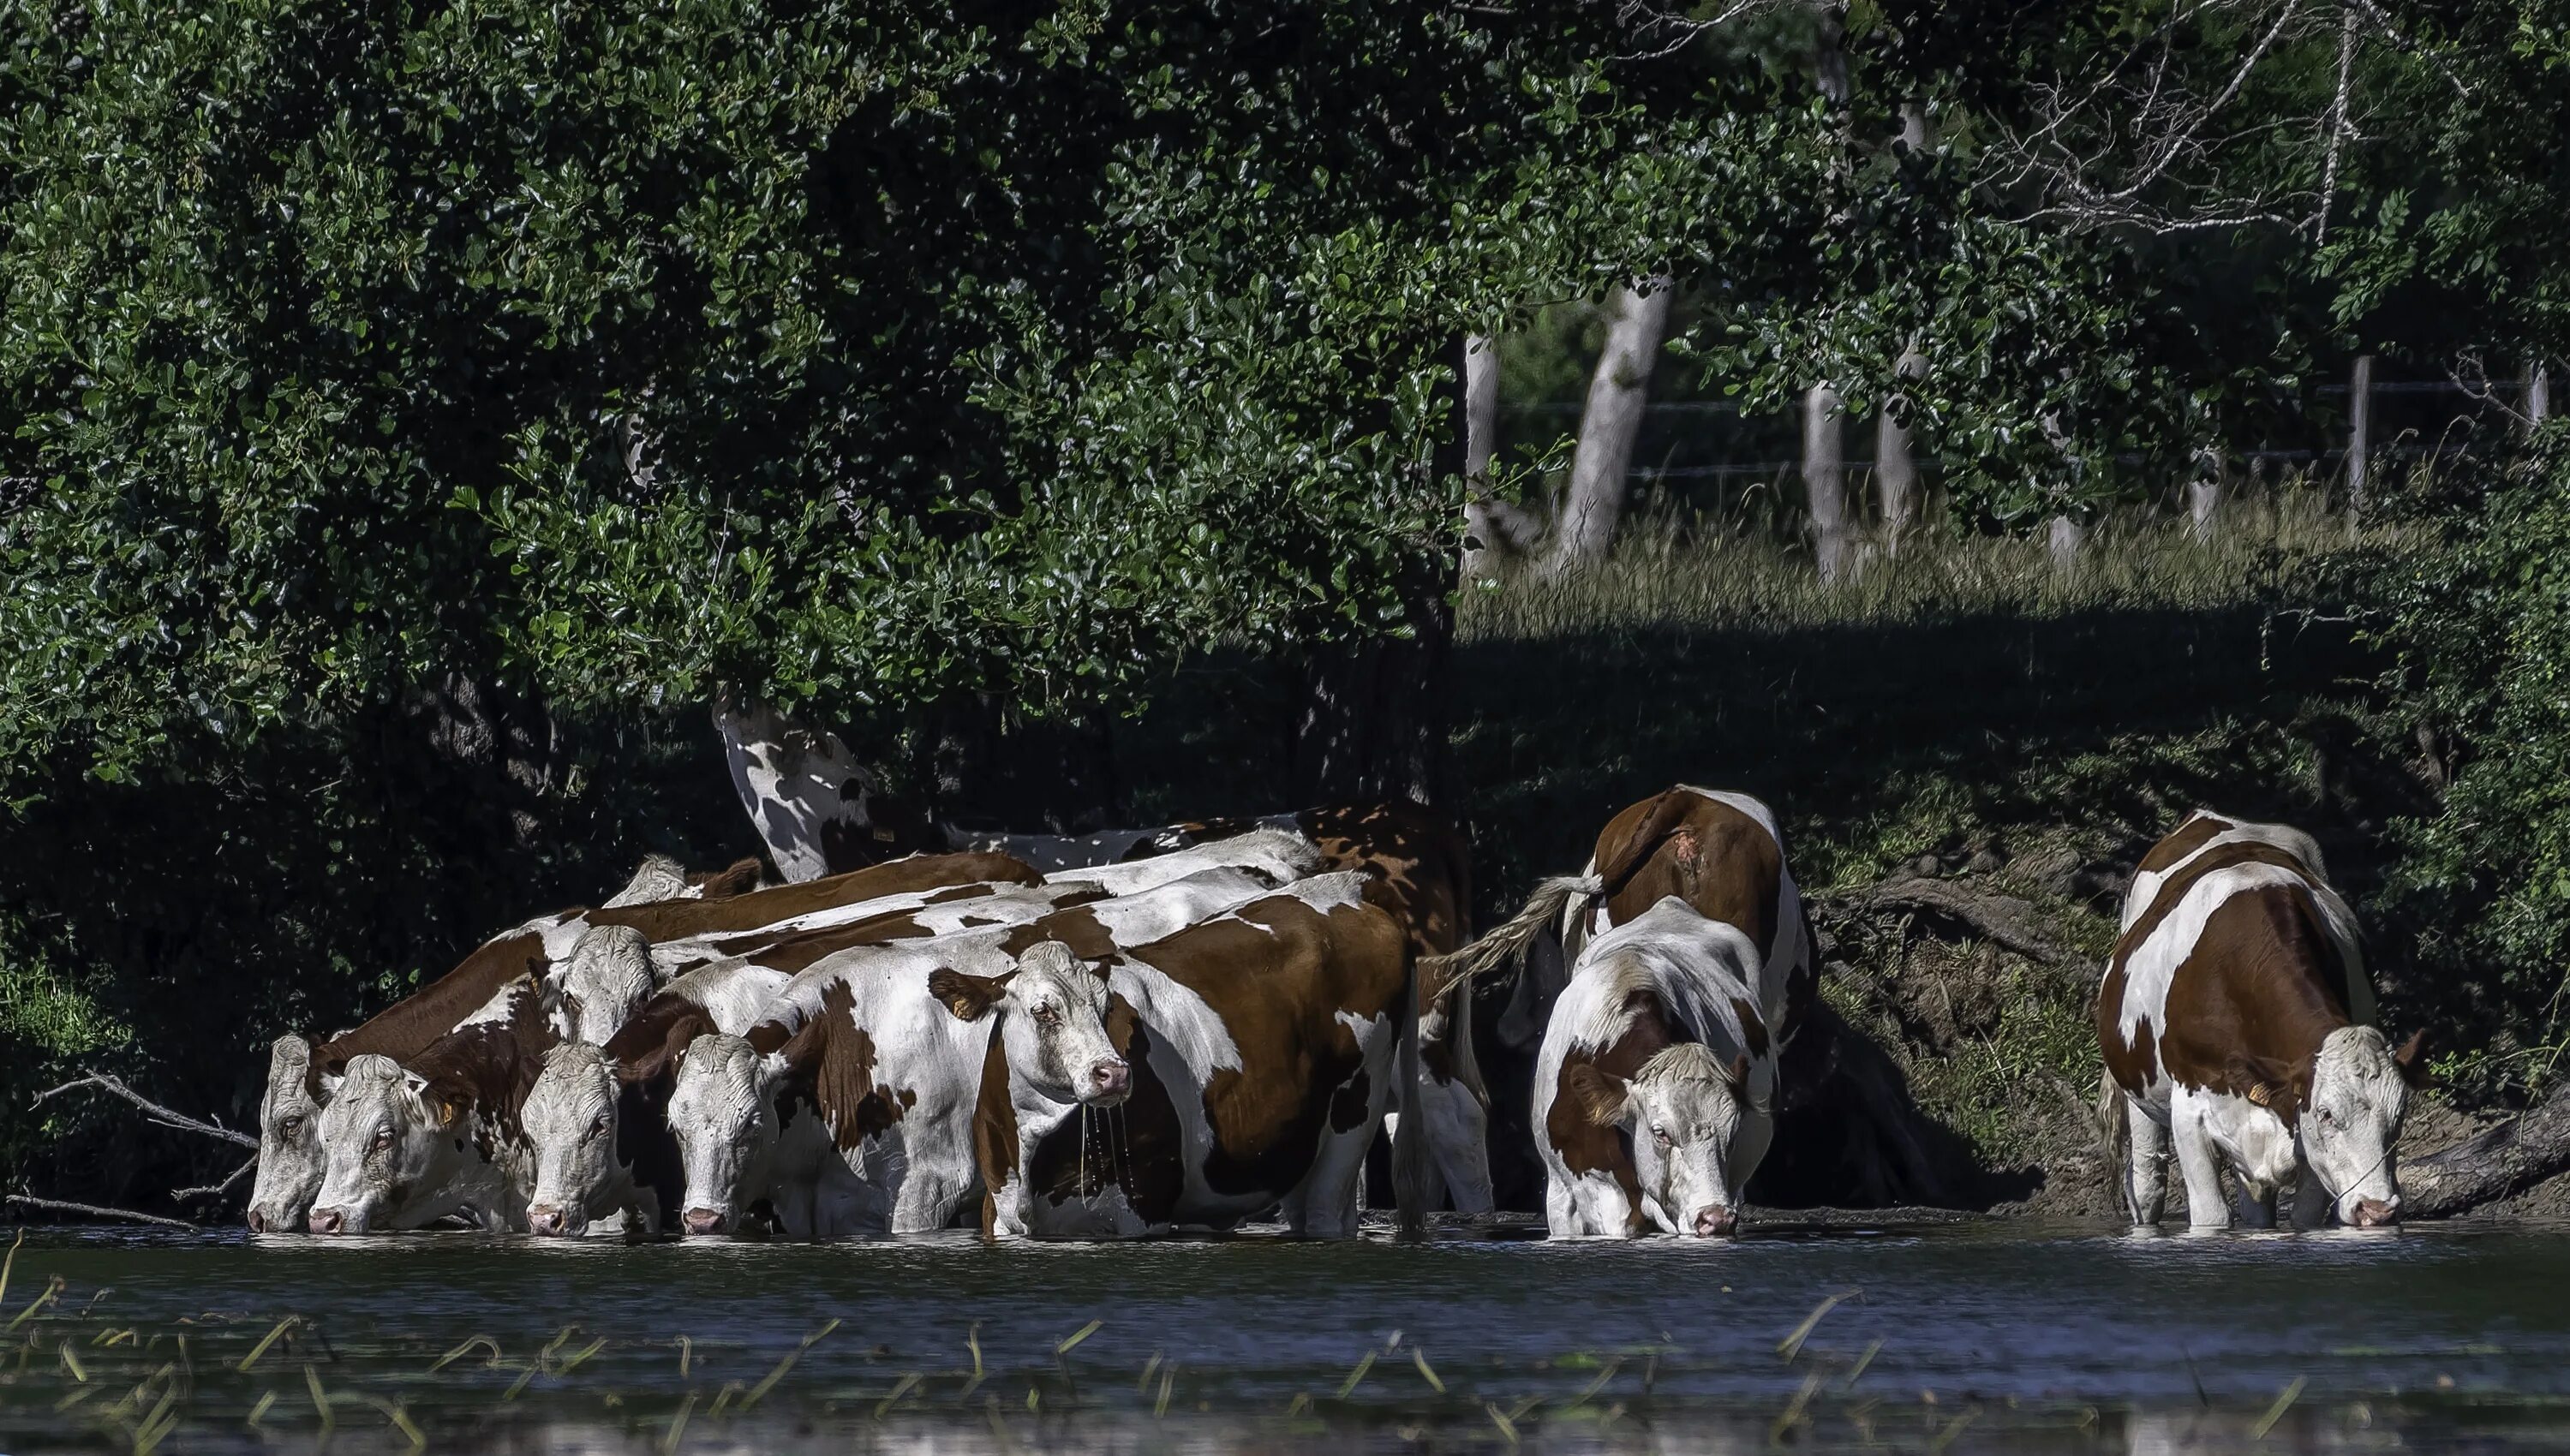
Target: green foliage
[[2483, 630]]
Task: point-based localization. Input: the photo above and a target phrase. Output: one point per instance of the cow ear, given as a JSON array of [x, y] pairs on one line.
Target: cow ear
[[440, 1112], [1602, 1097], [969, 997], [2412, 1059], [2266, 1083]]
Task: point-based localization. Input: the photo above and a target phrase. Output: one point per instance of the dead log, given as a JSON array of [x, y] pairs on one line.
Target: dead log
[[2507, 1159], [2004, 920], [93, 1211]]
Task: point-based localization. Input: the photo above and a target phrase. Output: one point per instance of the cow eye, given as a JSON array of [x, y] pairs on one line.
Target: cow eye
[[383, 1139], [1047, 1016], [290, 1127], [597, 1127], [1660, 1135]]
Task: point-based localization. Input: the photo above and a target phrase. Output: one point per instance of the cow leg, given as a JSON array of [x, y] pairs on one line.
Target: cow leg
[[2207, 1207], [1325, 1207], [2255, 1206], [1561, 1208], [1458, 1135], [2311, 1202], [2145, 1163]]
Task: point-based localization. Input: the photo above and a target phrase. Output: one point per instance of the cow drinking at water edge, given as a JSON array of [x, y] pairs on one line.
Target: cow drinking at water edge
[[2234, 1022]]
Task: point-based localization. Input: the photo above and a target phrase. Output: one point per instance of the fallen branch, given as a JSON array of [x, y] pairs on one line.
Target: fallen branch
[[177, 1121], [2001, 919], [2508, 1159], [214, 1189], [120, 1215]]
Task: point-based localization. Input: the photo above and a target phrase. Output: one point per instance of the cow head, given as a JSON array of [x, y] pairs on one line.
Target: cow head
[[1052, 1012], [290, 1141], [2348, 1118], [383, 1140], [1696, 1132], [570, 1120], [605, 980], [723, 1111]]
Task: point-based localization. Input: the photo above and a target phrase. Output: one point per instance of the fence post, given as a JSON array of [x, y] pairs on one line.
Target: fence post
[[2538, 394], [1825, 479], [2360, 429]]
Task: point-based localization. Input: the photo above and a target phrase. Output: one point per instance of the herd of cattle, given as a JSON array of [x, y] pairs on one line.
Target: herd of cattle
[[1216, 1024]]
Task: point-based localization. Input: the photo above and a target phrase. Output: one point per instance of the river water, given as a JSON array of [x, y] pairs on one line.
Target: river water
[[1943, 1337]]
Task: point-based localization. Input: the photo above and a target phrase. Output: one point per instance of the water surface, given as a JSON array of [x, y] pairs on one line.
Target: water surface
[[1977, 1335]]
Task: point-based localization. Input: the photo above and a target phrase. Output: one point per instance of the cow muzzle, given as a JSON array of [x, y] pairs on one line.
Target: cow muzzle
[[546, 1219], [258, 1221], [702, 1223], [327, 1220], [2378, 1213], [1713, 1220], [1110, 1081]]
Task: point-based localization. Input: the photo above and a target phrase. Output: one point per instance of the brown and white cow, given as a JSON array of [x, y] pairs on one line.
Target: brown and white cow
[[596, 1118], [404, 1147], [1717, 851], [1261, 1050], [302, 1073], [1655, 1085], [2234, 1020], [848, 1108]]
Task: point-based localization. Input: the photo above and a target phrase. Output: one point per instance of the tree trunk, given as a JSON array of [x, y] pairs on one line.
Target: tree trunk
[[2538, 394], [2063, 541], [1896, 470], [2508, 1159], [2360, 429], [1610, 426], [2204, 494], [1824, 481], [1493, 529]]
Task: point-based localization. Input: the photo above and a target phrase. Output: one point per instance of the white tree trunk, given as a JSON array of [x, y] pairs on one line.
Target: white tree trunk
[[2538, 394], [1825, 481], [1490, 527], [1610, 424], [2360, 429], [2204, 494], [1896, 470], [2064, 544]]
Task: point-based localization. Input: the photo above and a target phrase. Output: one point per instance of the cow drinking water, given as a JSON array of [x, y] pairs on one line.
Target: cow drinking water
[[2233, 1023]]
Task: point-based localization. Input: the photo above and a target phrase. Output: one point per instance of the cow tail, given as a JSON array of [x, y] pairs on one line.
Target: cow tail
[[1506, 945], [1409, 1136], [2110, 1121]]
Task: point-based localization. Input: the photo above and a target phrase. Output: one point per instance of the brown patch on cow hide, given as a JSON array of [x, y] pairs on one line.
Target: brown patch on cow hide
[[2187, 838], [406, 1029], [2254, 1000], [1586, 1145], [1278, 972], [995, 1129], [740, 876], [2173, 891], [647, 1046], [680, 920], [1423, 864], [482, 1074], [1706, 853], [796, 952], [1076, 927], [834, 1058]]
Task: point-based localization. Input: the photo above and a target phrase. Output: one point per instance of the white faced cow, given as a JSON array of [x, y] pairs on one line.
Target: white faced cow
[[1655, 1084], [1260, 1050], [2232, 1019], [848, 1108], [404, 1147], [302, 1076], [596, 1118]]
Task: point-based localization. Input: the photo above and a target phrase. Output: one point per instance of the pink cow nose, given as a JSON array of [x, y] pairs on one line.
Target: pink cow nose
[[542, 1219], [2374, 1212], [326, 1221], [1111, 1079], [705, 1221], [1713, 1220], [258, 1221]]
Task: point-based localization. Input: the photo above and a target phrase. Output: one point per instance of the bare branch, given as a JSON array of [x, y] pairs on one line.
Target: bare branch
[[214, 1190], [1672, 31], [2337, 128], [177, 1121], [93, 1211]]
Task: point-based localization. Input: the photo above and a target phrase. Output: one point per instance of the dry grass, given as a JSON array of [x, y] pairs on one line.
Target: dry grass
[[1712, 575]]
